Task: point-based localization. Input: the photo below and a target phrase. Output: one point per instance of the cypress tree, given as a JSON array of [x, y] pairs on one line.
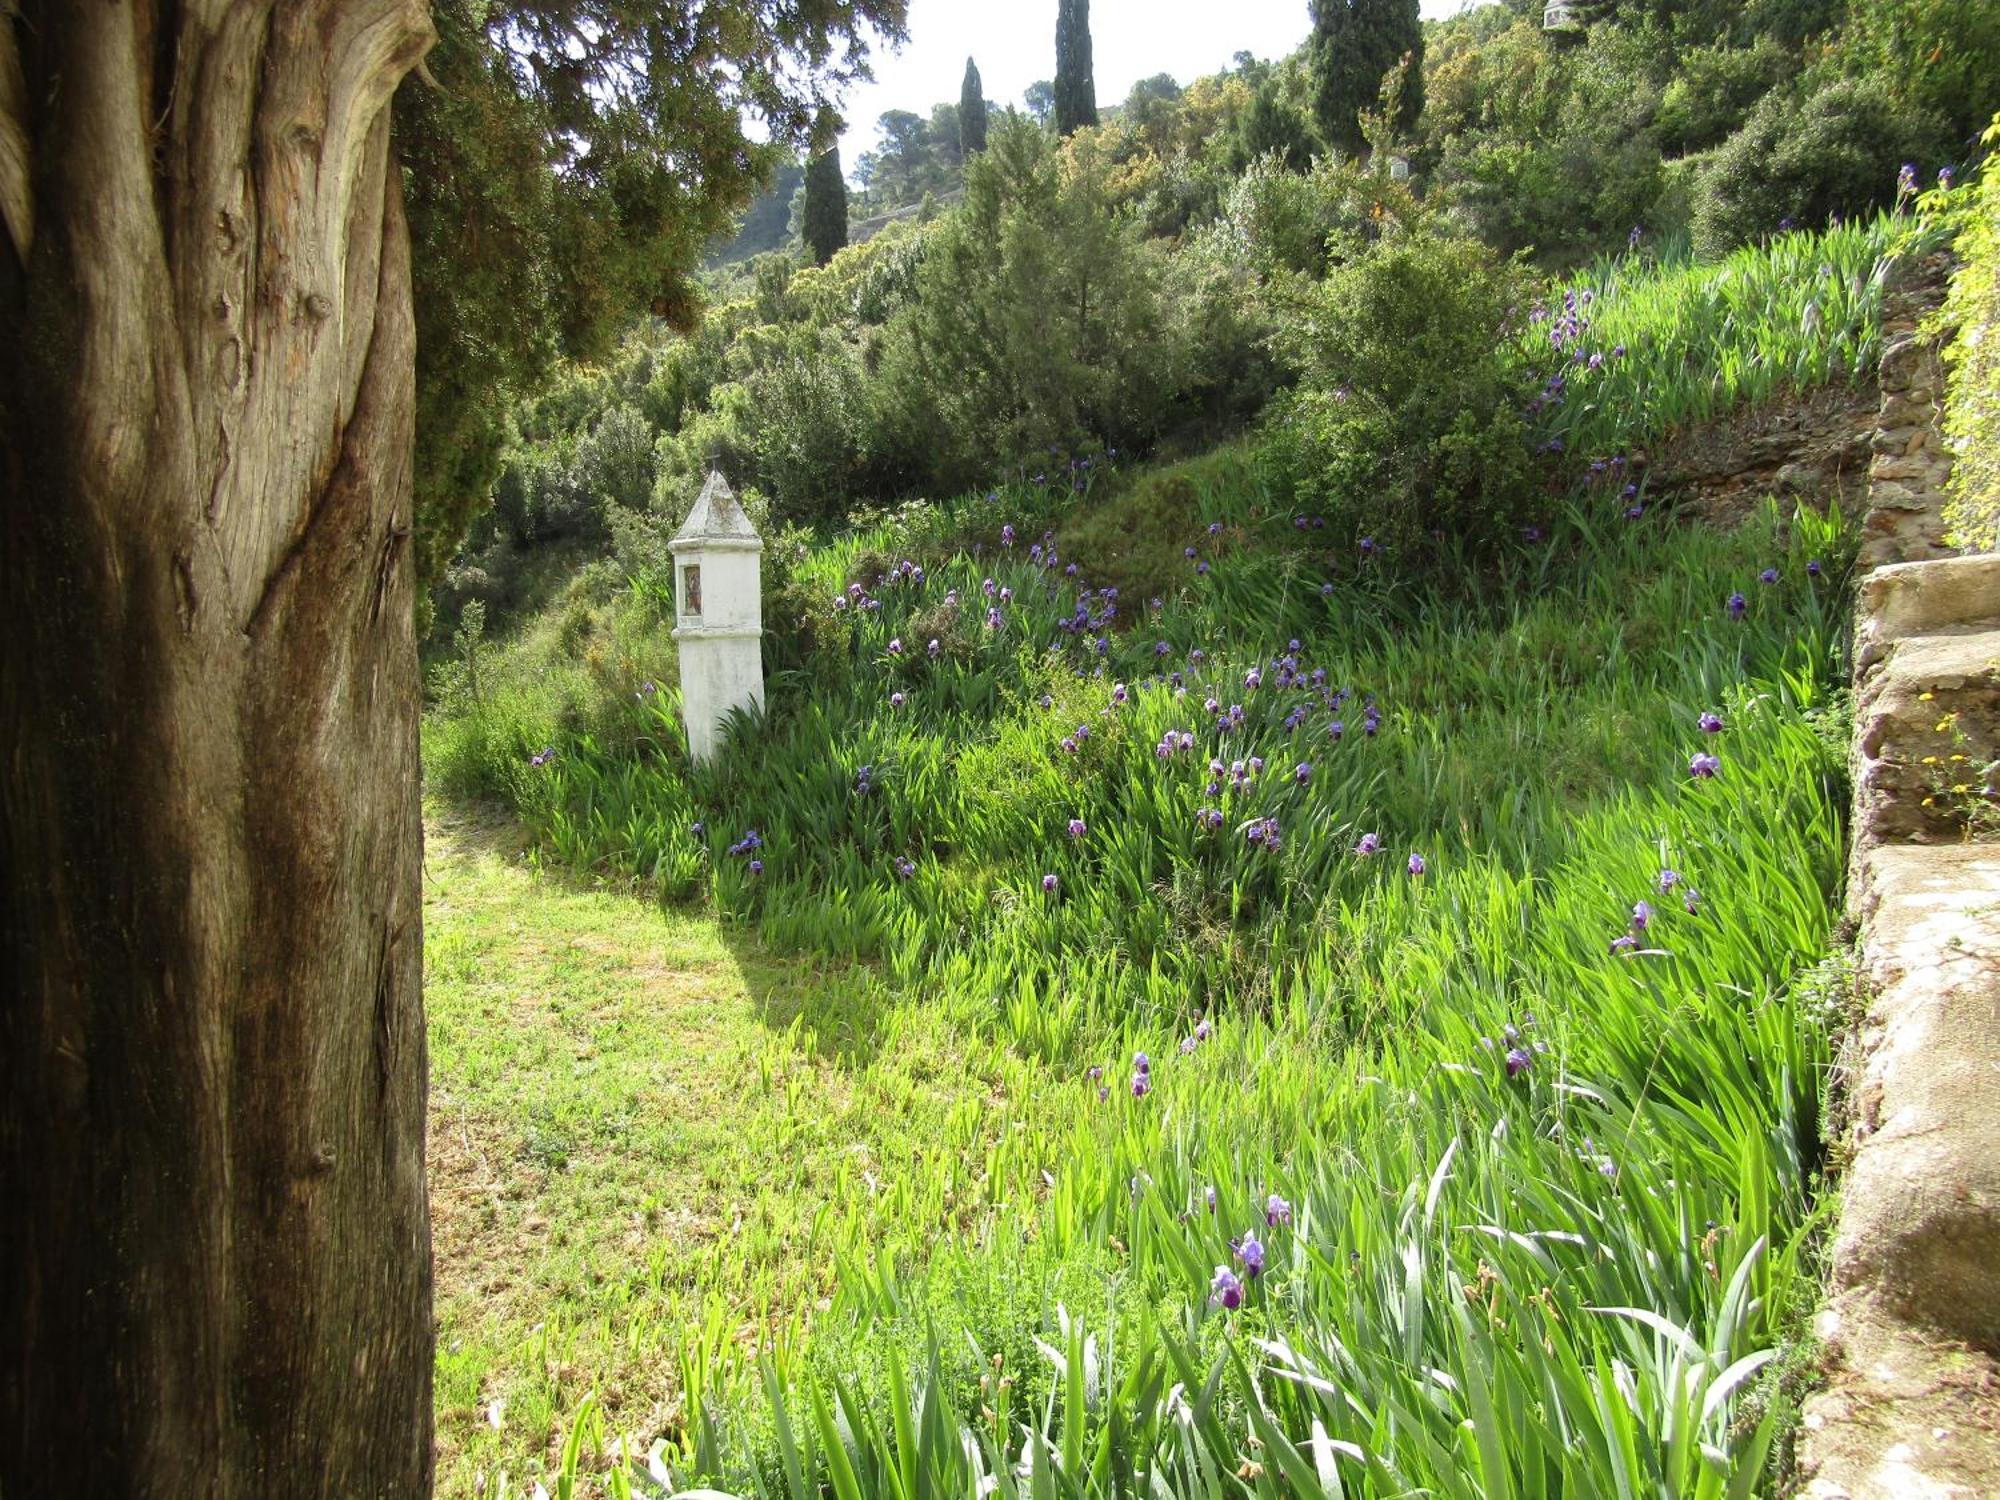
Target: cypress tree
[[1353, 44], [971, 112], [823, 222], [1076, 88]]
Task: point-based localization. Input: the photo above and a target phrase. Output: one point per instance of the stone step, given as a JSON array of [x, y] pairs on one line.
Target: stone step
[[1929, 723], [1911, 1337]]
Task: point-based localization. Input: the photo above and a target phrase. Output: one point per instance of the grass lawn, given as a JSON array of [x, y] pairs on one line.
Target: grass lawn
[[646, 1137]]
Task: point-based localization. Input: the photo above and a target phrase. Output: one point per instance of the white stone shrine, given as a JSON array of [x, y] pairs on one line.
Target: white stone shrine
[[718, 614]]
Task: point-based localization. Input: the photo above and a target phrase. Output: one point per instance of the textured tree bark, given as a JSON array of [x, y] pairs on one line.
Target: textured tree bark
[[214, 1237]]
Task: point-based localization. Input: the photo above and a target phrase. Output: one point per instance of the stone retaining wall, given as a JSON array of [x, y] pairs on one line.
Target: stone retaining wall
[[1911, 1333]]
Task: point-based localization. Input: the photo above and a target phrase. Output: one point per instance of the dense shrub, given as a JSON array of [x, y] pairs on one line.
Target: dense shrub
[[1714, 91], [1037, 318], [1407, 418], [1803, 158]]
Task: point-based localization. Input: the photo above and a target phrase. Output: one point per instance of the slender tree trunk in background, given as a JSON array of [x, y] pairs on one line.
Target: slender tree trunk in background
[[214, 1238]]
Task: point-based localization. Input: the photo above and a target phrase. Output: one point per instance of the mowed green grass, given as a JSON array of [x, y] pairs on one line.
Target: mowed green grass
[[646, 1138]]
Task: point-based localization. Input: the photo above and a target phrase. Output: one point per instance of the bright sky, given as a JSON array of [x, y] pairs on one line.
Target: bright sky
[[1014, 43]]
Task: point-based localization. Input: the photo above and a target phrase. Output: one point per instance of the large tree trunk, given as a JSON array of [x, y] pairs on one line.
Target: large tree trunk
[[214, 1239]]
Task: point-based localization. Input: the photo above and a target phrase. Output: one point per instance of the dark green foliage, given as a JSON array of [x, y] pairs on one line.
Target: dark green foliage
[[1938, 58], [1036, 320], [823, 225], [565, 174], [1271, 127], [1566, 161], [1803, 157], [1407, 418], [971, 112], [1076, 84], [1714, 91], [1354, 44]]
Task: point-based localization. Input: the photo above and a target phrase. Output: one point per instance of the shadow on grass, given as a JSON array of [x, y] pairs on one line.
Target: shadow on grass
[[837, 1009]]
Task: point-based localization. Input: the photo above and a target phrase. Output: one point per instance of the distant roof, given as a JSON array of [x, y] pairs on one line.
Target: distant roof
[[716, 516]]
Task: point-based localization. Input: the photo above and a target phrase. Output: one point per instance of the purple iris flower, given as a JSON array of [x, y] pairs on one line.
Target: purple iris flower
[[1814, 568], [1371, 843], [1211, 1198], [1710, 723], [699, 830], [1202, 566], [1276, 1211], [1049, 884], [1225, 1288], [1769, 575], [1006, 536], [1188, 553], [756, 867], [905, 868], [1251, 1253], [1624, 943], [896, 700], [1668, 880], [1519, 1060], [1368, 546], [543, 756], [1215, 528], [895, 645], [1417, 866], [1304, 772], [1142, 1085], [1076, 829], [1141, 1063], [1704, 766], [1691, 901], [1737, 605]]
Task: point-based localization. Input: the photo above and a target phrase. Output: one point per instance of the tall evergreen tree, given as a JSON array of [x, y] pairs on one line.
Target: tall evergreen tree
[[971, 112], [823, 225], [1076, 88], [1354, 43]]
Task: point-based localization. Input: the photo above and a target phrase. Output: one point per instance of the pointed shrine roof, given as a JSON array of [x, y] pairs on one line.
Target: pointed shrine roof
[[716, 517]]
